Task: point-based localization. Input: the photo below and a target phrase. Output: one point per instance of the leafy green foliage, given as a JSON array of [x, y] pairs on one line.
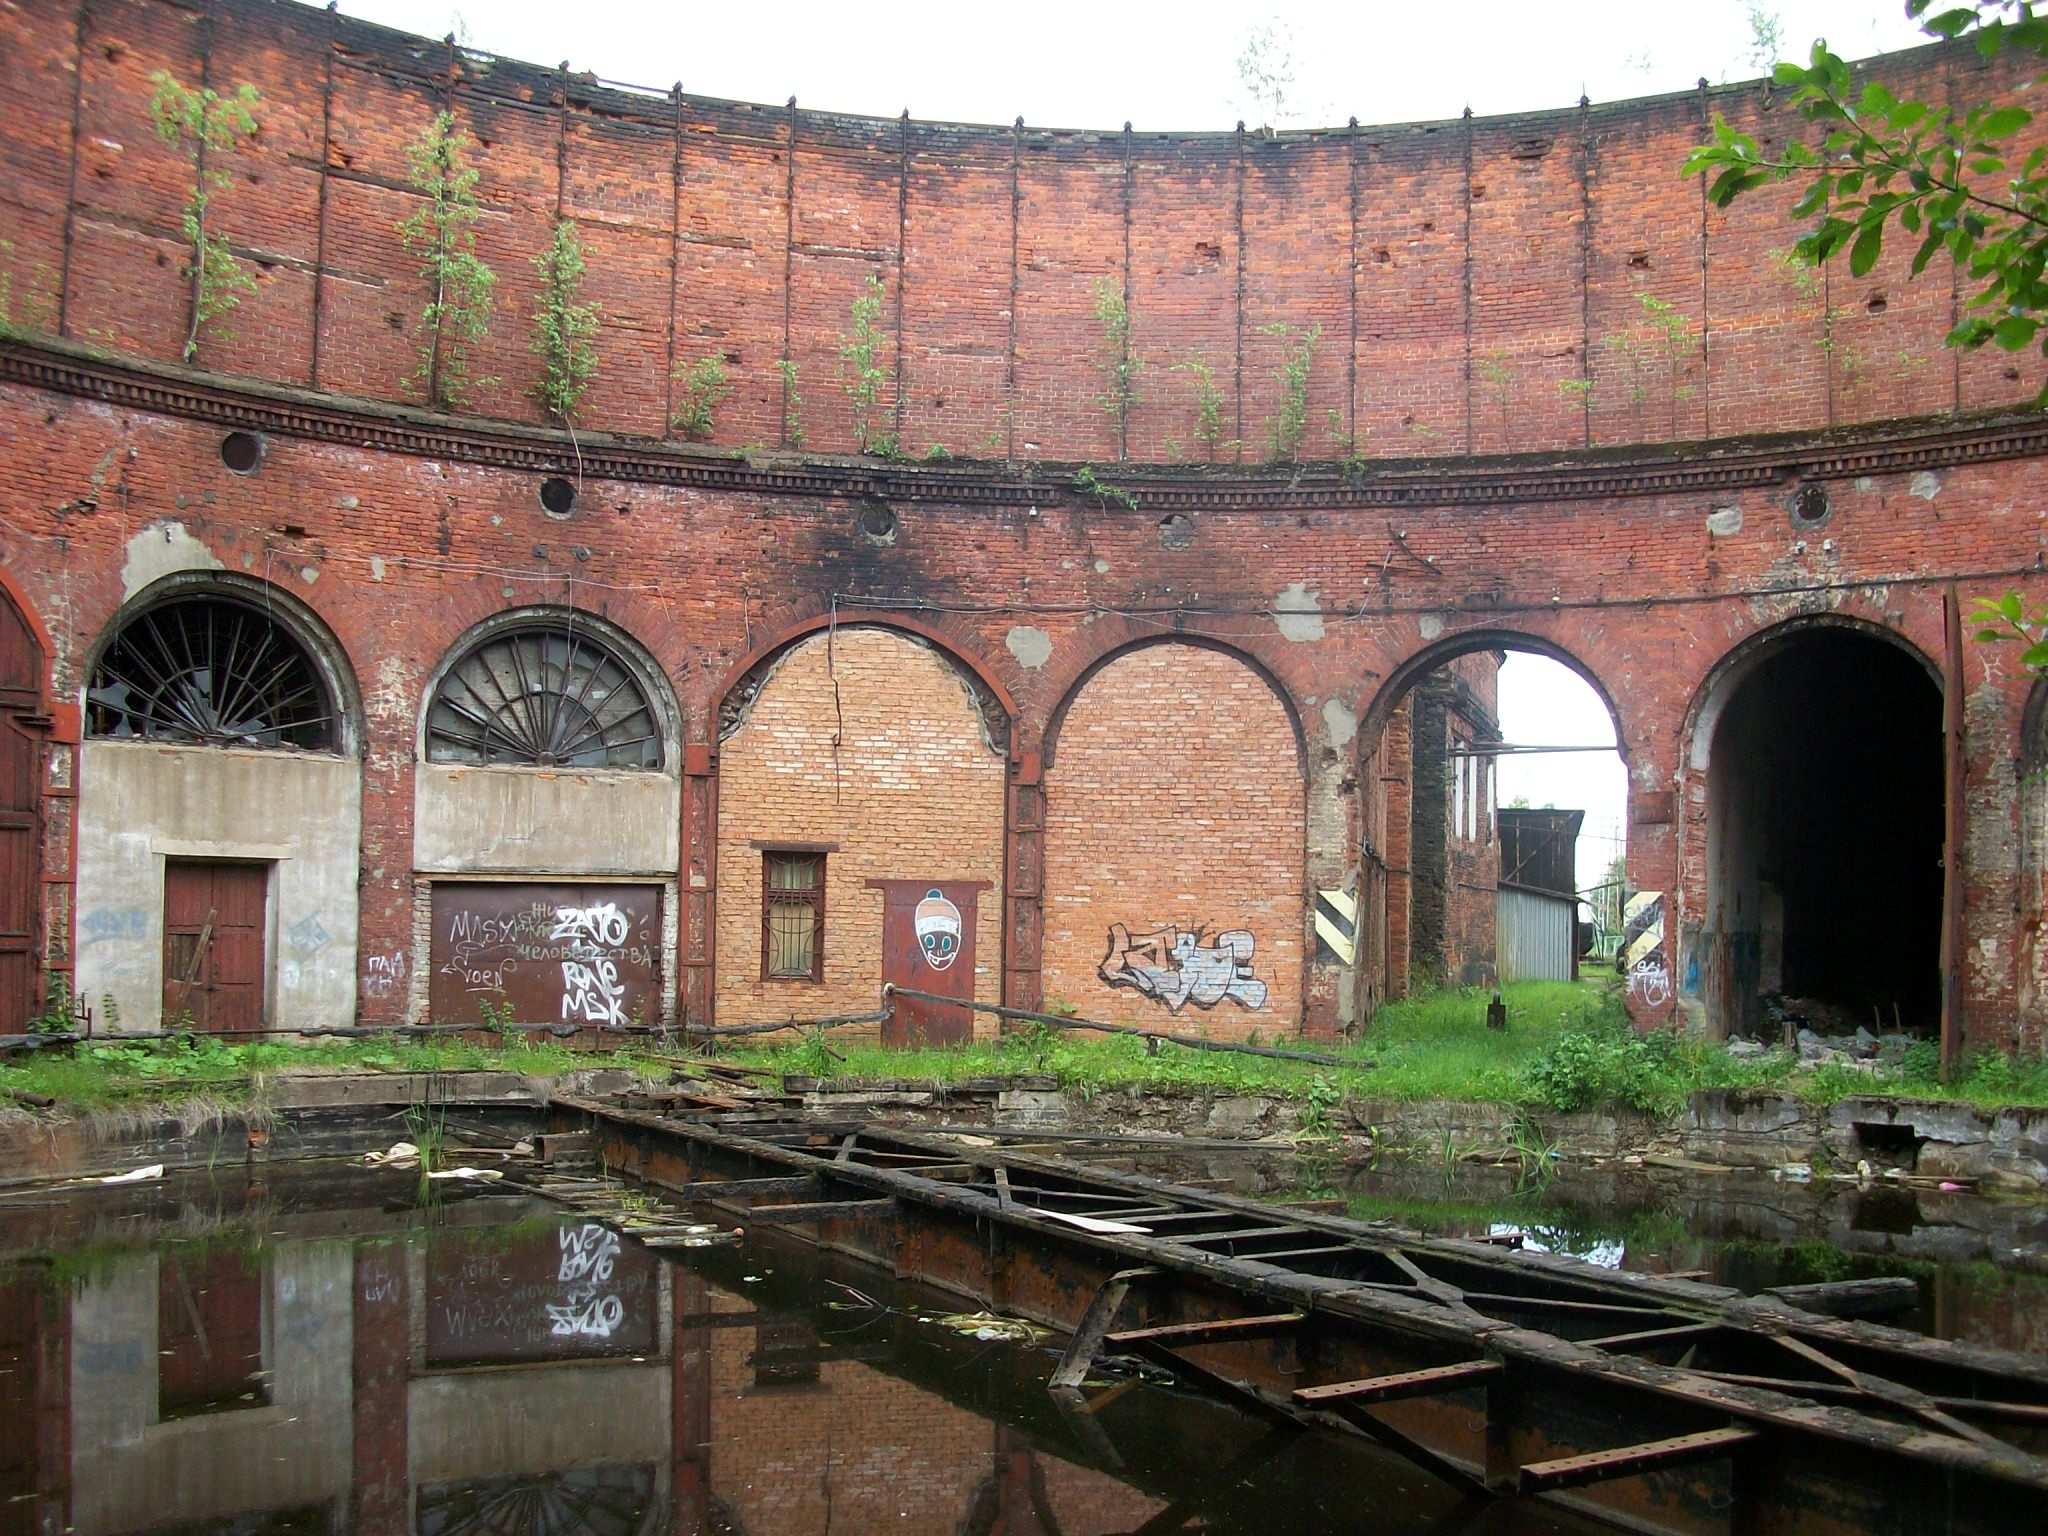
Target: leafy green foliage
[[564, 327], [441, 233], [1120, 365], [2007, 618], [1297, 357], [1588, 1068], [862, 354], [1949, 177], [1088, 483], [1208, 404], [25, 315], [218, 125], [704, 386], [792, 402], [1661, 341]]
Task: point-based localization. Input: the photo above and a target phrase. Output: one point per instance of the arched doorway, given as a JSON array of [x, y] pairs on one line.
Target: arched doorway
[[1825, 793], [21, 886]]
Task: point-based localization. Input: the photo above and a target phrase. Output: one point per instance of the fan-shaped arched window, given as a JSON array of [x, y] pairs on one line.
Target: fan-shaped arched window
[[546, 695], [212, 670]]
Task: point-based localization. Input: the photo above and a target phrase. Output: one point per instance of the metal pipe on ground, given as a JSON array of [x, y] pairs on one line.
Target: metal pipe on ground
[[1192, 1042]]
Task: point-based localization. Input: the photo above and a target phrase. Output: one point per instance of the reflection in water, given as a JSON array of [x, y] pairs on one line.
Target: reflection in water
[[1981, 1264], [307, 1351]]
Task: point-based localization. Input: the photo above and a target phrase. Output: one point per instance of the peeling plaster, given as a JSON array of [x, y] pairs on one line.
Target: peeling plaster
[[1429, 626], [1723, 521], [1032, 647], [376, 567], [1101, 567], [163, 549], [1926, 485], [1340, 722], [1298, 613]]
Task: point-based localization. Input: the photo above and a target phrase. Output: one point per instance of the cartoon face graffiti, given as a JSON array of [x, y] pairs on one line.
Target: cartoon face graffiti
[[937, 922]]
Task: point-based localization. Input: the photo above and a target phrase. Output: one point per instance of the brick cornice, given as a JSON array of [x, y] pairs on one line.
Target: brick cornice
[[1728, 464]]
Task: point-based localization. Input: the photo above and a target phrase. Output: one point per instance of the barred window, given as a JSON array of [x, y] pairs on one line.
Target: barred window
[[546, 696], [210, 670], [793, 916]]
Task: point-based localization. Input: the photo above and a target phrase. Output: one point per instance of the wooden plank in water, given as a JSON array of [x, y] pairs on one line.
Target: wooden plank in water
[[1386, 1389], [1877, 1297], [821, 1210], [1215, 1332], [1632, 1460]]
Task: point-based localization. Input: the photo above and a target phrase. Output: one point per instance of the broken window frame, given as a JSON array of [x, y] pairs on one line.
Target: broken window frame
[[789, 898], [213, 670], [544, 694]]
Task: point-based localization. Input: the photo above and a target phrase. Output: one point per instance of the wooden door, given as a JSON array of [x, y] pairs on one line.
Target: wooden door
[[20, 872], [213, 945], [21, 773], [928, 946]]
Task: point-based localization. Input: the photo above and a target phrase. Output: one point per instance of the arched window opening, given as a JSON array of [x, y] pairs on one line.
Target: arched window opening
[[544, 696], [212, 671]]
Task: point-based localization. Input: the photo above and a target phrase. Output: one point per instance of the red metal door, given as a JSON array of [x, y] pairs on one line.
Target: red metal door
[[21, 758], [20, 872], [213, 944], [928, 946]]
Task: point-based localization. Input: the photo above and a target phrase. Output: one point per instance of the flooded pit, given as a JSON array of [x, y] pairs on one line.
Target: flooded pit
[[312, 1348]]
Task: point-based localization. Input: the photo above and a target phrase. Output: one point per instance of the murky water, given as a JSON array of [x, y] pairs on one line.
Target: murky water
[[1981, 1264], [313, 1351], [310, 1348]]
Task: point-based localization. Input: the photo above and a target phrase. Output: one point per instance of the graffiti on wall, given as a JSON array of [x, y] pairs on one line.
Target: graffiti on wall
[[587, 1310], [1643, 960], [1177, 966], [573, 955], [937, 925]]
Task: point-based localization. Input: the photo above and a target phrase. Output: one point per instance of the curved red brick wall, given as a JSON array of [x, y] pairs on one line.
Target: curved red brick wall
[[1463, 273]]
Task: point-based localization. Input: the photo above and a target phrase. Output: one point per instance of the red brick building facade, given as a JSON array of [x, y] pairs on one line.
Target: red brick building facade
[[1728, 524]]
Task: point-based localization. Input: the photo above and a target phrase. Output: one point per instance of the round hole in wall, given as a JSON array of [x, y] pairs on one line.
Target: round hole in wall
[[557, 496], [242, 452], [1177, 530], [877, 520], [1811, 506]]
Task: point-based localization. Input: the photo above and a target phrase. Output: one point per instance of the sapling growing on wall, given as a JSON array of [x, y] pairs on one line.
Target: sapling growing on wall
[[792, 403], [703, 387], [217, 126], [441, 233], [1119, 364], [565, 327], [1208, 404], [867, 370], [1297, 357]]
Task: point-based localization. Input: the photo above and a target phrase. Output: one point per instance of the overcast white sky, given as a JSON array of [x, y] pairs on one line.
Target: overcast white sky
[[1070, 64], [1066, 63]]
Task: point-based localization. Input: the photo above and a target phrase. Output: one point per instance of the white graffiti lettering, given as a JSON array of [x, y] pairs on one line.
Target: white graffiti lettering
[[591, 992], [1172, 965], [588, 1253], [383, 974], [603, 925], [1649, 980], [594, 1319]]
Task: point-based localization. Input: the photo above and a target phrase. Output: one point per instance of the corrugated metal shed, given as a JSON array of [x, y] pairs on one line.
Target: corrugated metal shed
[[1535, 936]]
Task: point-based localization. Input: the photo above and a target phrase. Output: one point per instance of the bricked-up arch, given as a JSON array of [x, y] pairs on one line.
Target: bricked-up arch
[[2030, 763], [1175, 845], [868, 747], [1821, 746]]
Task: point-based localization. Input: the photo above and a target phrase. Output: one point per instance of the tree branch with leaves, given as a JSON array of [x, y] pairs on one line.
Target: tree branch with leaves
[[441, 233], [1952, 179], [219, 125]]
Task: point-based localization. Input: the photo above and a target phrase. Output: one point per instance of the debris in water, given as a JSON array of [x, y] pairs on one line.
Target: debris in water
[[403, 1154], [468, 1175], [986, 1325], [136, 1175]]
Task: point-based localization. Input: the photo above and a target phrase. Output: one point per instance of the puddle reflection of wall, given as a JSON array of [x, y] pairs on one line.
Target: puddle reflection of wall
[[862, 1450], [130, 1469]]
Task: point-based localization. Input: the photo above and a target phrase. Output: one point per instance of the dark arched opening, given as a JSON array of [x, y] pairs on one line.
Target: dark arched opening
[[1824, 838]]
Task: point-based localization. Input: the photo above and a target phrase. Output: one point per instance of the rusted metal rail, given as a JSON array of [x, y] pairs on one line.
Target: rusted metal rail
[[1659, 1405]]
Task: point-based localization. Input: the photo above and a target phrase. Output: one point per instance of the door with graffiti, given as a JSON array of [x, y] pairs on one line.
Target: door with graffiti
[[928, 946]]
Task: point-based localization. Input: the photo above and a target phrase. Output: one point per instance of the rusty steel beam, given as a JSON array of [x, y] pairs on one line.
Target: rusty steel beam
[[1391, 1303]]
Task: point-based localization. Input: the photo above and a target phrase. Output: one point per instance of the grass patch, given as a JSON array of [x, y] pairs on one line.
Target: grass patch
[[1567, 1045]]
